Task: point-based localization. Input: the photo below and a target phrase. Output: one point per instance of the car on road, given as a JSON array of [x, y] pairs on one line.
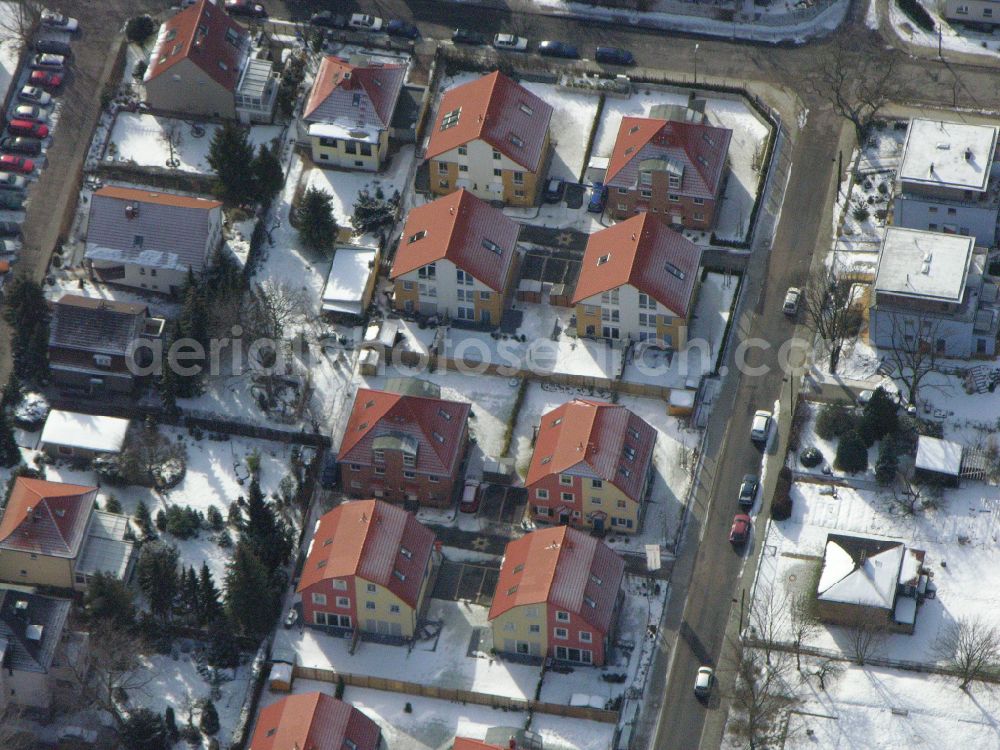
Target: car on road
[[45, 79], [9, 229], [30, 112], [510, 42], [554, 189], [614, 56], [365, 22], [52, 20], [17, 144], [791, 304], [11, 181], [245, 8], [550, 48], [740, 530], [598, 197], [52, 47], [395, 27], [703, 682], [465, 36], [34, 95], [760, 427], [470, 496], [748, 490], [12, 163], [11, 200], [48, 62], [29, 128], [327, 19]]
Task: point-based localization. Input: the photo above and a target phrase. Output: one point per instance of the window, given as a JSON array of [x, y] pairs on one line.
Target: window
[[343, 602], [409, 459], [409, 475], [698, 216], [565, 479], [561, 633], [623, 191], [405, 553], [952, 211], [518, 178], [399, 574], [987, 12], [394, 609], [379, 455], [484, 296], [498, 173], [646, 178], [102, 360], [370, 588], [621, 503], [443, 183], [461, 277], [518, 193], [408, 286], [319, 599], [562, 616], [355, 485], [962, 10], [463, 150], [590, 602], [450, 119], [541, 510], [534, 628], [595, 501], [622, 207], [433, 479], [496, 155], [369, 605], [526, 109], [355, 467], [509, 627], [567, 497], [427, 272], [517, 140], [646, 193], [417, 236], [674, 270], [699, 201], [542, 494], [492, 247], [379, 471], [586, 636], [673, 198], [463, 168], [603, 259], [366, 149], [596, 580], [442, 167]]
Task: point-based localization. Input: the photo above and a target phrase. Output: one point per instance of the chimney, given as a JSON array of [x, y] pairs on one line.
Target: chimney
[[131, 210], [968, 154], [932, 168], [512, 743]]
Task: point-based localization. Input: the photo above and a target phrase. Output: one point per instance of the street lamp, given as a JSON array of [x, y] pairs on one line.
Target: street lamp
[[696, 64]]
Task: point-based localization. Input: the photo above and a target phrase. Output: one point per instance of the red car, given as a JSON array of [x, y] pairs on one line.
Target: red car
[[740, 531], [28, 128], [14, 163], [45, 79]]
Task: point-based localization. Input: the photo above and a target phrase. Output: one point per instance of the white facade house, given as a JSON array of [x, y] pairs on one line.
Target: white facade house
[[929, 291], [947, 182], [975, 12]]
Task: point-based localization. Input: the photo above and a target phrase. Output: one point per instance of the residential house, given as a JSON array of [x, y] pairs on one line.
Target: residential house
[[491, 137], [592, 466], [558, 596], [314, 721], [502, 738], [348, 115], [930, 291], [404, 448], [36, 647], [638, 281], [97, 345], [865, 579], [675, 170], [50, 535], [368, 568], [150, 240], [69, 434], [975, 13], [204, 64], [947, 181], [458, 259]]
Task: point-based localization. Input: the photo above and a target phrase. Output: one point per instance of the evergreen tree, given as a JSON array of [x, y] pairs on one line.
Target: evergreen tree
[[209, 721], [314, 216], [223, 652], [267, 174], [144, 521], [852, 453], [10, 454], [157, 576], [231, 156], [27, 314], [143, 730], [208, 596], [168, 391], [190, 597], [264, 532], [112, 505], [108, 599], [373, 211], [888, 462], [170, 721], [252, 602], [12, 393], [881, 414]]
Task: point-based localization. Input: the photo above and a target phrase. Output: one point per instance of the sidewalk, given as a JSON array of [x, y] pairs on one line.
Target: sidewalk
[[766, 28]]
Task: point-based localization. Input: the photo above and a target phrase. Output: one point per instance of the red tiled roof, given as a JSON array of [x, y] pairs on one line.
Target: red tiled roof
[[364, 539], [46, 518], [644, 252], [435, 424], [464, 743], [564, 568], [338, 81], [156, 197], [458, 227], [700, 150], [594, 434], [199, 34], [313, 721], [498, 111]]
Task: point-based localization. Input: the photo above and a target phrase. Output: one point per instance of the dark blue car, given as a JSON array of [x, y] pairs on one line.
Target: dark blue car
[[598, 196], [396, 27], [614, 56], [558, 49]]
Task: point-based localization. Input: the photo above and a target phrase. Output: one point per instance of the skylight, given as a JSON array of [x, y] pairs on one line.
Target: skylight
[[492, 247], [674, 270], [604, 259], [450, 120]]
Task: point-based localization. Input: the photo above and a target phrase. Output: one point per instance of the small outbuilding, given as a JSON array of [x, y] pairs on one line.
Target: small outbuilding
[[351, 283], [939, 460], [69, 434]]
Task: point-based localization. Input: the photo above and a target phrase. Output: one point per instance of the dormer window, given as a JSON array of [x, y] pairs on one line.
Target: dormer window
[[418, 236], [444, 415], [633, 130]]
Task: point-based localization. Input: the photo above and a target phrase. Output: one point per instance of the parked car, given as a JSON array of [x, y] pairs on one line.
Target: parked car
[[740, 531], [30, 112], [245, 8], [465, 36], [395, 27], [12, 163], [470, 496], [703, 682], [54, 20], [53, 47], [29, 128], [328, 20], [510, 42], [9, 229], [48, 62], [760, 427], [11, 181], [45, 79], [34, 95], [365, 22], [291, 618], [550, 48], [16, 144], [11, 200], [598, 197], [553, 190], [748, 490], [614, 56], [791, 304]]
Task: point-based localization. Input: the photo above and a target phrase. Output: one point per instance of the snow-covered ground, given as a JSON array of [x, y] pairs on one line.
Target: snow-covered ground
[[954, 37], [571, 124], [10, 51], [809, 439]]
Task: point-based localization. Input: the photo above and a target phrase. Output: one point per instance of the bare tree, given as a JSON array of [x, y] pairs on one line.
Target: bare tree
[[20, 21], [858, 77], [915, 346], [828, 669], [110, 670], [867, 635], [768, 619], [802, 625], [831, 312], [910, 496], [271, 307], [971, 646], [761, 694]]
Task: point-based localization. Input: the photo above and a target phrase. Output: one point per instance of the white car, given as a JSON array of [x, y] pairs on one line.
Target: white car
[[760, 428], [791, 304], [365, 22], [48, 62], [703, 682], [34, 95], [30, 112], [510, 42], [58, 21], [11, 181]]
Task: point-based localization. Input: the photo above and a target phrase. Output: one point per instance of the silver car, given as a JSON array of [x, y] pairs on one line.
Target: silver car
[[48, 62], [11, 181]]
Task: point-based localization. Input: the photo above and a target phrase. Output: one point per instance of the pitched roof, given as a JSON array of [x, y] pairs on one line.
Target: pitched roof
[[465, 743], [564, 568], [95, 325], [433, 427], [698, 152], [498, 111], [46, 518], [860, 570], [598, 439], [361, 94], [313, 721], [24, 616], [644, 252], [478, 238], [161, 230], [206, 35], [367, 539]]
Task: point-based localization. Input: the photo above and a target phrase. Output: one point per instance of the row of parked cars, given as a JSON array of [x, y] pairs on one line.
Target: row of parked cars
[[547, 48], [327, 19]]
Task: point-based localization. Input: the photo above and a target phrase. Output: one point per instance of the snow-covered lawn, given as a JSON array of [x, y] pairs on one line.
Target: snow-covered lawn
[[809, 439], [954, 37], [572, 121]]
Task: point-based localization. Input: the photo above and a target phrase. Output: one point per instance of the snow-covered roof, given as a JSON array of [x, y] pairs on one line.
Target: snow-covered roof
[[929, 265], [349, 274], [860, 570], [86, 431], [940, 456], [906, 610], [948, 154], [343, 129]]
